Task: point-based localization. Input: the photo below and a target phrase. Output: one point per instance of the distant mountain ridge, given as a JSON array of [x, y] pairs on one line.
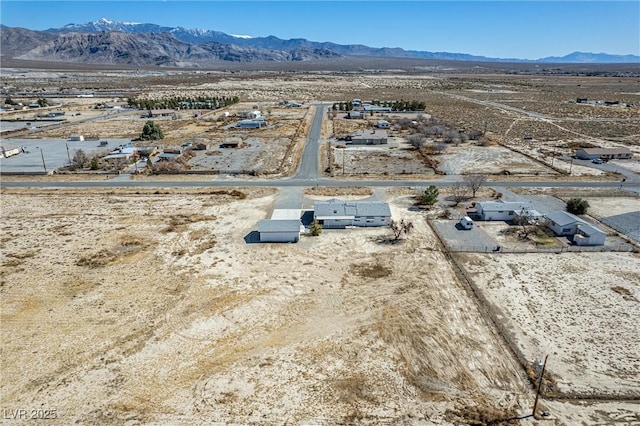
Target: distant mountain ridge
[[198, 36], [113, 42]]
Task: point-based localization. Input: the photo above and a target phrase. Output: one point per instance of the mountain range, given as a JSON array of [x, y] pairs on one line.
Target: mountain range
[[113, 42]]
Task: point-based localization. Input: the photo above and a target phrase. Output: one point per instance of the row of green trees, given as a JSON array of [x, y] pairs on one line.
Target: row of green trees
[[183, 102], [400, 105]]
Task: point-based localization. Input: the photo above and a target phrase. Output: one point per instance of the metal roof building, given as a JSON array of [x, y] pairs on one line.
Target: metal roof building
[[340, 214], [280, 230], [369, 137]]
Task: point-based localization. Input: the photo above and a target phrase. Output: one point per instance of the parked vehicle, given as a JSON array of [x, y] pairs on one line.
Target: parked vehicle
[[466, 222], [597, 161]]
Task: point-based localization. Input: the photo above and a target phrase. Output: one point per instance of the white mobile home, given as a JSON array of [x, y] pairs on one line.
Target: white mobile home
[[500, 209], [340, 214]]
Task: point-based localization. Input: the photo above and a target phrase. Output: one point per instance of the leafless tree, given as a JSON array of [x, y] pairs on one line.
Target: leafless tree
[[475, 181], [399, 228], [439, 147], [416, 140], [525, 219], [459, 192]]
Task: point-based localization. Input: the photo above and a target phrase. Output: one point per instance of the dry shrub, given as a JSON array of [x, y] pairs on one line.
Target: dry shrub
[[483, 415], [327, 191], [205, 245], [178, 222], [8, 263], [353, 388], [99, 259], [234, 193], [128, 245], [549, 387], [624, 292], [371, 270], [22, 256]]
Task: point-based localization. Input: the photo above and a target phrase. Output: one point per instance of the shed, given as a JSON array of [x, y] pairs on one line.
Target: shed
[[354, 114], [383, 124], [231, 143], [250, 124], [280, 230], [76, 138]]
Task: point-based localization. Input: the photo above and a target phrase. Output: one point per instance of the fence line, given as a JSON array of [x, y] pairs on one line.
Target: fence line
[[565, 249]]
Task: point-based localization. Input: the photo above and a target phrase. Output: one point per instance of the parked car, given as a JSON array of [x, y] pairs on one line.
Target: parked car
[[597, 161]]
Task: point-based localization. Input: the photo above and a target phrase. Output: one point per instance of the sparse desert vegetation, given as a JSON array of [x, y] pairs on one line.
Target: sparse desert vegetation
[[150, 304]]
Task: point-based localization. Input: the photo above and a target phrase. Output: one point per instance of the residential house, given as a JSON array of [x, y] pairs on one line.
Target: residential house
[[500, 209], [340, 214], [583, 233], [369, 137], [603, 153]]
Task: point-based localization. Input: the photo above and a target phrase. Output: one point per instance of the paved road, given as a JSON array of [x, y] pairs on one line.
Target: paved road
[[309, 165], [295, 182]]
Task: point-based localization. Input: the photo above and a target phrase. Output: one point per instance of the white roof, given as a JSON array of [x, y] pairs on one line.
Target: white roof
[[286, 214], [268, 225], [501, 205], [562, 218]]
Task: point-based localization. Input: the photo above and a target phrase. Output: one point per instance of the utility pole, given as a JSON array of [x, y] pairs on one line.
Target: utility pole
[[571, 165], [68, 156], [329, 157], [535, 404], [43, 163]]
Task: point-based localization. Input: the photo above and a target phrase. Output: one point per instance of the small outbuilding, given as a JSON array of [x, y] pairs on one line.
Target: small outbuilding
[[280, 230], [76, 138], [383, 124]]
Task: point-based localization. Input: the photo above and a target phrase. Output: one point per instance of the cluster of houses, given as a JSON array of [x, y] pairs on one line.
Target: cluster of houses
[[285, 226], [560, 222]]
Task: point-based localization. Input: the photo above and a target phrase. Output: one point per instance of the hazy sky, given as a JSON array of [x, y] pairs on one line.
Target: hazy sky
[[507, 29]]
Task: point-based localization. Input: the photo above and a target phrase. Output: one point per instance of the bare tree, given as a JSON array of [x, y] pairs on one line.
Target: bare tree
[[399, 228], [475, 181], [417, 140], [525, 219], [439, 147], [459, 192]]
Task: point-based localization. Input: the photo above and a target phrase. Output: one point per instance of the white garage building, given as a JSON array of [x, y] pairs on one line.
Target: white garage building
[[280, 230]]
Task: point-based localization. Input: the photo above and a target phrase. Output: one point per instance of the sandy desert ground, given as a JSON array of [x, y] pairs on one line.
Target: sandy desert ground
[[129, 307], [586, 322]]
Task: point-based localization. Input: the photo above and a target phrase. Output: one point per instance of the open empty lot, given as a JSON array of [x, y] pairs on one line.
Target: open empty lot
[[580, 309], [150, 307]]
